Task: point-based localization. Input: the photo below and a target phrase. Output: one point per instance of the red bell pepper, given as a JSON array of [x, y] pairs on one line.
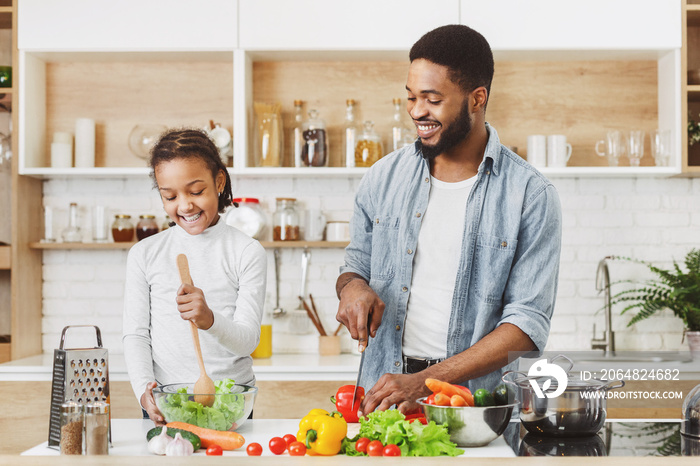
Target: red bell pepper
[[343, 402]]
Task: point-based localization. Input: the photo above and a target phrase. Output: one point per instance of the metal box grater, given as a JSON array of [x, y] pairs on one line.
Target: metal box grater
[[80, 375]]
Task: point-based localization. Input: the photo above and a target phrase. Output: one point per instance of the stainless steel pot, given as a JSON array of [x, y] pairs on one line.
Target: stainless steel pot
[[579, 410]]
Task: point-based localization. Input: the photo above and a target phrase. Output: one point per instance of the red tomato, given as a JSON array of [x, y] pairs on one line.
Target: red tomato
[[375, 448], [297, 449], [392, 450], [361, 444], [214, 450], [431, 399], [277, 445], [254, 449], [289, 438]]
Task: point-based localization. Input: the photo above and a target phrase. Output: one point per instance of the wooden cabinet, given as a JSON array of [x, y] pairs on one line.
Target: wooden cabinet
[[690, 93], [85, 25]]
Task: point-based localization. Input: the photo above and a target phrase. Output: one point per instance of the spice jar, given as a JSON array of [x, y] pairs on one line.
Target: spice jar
[[97, 428], [247, 217], [146, 227], [285, 221], [71, 428], [122, 229], [314, 153]]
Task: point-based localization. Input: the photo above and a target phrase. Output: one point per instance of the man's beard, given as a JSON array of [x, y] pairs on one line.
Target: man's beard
[[452, 135]]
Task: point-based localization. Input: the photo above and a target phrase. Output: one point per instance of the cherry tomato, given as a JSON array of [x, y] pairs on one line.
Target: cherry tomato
[[277, 445], [375, 448], [289, 438], [391, 450], [297, 449], [361, 444], [254, 449], [431, 399], [214, 450]]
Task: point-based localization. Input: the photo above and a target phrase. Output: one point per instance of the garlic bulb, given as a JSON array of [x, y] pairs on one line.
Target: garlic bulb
[[179, 447], [158, 443]]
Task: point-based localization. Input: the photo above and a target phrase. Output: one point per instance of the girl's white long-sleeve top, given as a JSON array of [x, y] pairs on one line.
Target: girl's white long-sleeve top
[[230, 268]]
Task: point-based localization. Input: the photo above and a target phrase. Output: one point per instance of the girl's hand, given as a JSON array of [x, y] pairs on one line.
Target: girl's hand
[[193, 307], [149, 404]]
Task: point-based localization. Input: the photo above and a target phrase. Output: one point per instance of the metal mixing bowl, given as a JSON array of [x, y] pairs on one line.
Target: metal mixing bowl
[[470, 426], [229, 411]]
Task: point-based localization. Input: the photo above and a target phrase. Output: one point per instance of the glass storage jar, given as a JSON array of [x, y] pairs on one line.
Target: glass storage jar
[[146, 226], [122, 229], [247, 217], [285, 221], [71, 428], [314, 153], [369, 146]]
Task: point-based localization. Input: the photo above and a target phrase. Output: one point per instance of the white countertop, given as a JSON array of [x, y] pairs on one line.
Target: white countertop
[[129, 439], [278, 367]]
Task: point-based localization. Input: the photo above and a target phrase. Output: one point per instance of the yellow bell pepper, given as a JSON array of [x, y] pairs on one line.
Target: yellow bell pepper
[[322, 432]]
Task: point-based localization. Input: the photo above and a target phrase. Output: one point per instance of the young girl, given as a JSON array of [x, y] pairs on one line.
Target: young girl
[[228, 270]]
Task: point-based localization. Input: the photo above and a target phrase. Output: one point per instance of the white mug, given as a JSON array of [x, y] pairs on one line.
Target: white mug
[[338, 231], [558, 151], [537, 150], [314, 223]]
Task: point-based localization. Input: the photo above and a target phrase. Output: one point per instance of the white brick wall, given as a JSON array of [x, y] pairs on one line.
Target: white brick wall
[[655, 219]]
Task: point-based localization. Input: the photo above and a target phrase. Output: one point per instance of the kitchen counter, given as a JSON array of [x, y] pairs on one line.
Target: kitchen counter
[[284, 367]]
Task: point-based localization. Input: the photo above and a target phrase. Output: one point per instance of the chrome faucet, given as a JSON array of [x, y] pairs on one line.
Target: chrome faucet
[[602, 283]]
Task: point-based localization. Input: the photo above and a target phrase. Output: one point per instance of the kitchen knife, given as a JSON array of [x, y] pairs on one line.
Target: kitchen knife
[[359, 374]]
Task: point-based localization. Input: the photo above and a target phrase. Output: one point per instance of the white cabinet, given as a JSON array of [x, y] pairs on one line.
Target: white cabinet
[[572, 25], [77, 25], [334, 25]]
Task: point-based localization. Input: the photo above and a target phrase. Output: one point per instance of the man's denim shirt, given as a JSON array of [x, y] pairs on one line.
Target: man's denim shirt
[[509, 260]]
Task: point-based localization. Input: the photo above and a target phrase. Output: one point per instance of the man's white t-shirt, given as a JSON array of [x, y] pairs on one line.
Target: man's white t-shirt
[[435, 270]]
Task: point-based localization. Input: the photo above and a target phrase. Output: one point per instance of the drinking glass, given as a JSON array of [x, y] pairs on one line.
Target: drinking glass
[[614, 147], [635, 147], [661, 147]]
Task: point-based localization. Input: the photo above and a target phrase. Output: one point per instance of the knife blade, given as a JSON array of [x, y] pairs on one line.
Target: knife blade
[[357, 382]]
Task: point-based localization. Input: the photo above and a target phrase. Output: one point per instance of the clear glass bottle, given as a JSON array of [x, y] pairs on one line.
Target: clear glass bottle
[[97, 428], [315, 150], [122, 229], [401, 134], [71, 234], [146, 226], [71, 428], [349, 134], [297, 139], [285, 221], [369, 146]]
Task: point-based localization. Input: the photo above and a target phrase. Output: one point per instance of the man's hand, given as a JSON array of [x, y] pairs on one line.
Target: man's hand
[[193, 307], [359, 308], [149, 404], [395, 389]]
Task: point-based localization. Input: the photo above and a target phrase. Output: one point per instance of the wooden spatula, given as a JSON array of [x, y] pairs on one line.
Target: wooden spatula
[[204, 387]]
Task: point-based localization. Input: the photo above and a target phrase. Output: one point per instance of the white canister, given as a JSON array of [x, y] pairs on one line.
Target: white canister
[[537, 150], [84, 143], [338, 231], [61, 155]]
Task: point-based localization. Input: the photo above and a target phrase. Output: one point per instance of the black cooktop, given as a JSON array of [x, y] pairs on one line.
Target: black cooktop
[[616, 438]]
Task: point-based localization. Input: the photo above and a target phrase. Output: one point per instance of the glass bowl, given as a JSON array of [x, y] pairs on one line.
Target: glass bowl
[[143, 137], [470, 426], [229, 411]]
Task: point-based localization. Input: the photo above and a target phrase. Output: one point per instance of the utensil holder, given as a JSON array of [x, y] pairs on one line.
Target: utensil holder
[[329, 345]]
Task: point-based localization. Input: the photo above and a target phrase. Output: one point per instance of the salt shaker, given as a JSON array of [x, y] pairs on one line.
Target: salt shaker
[[71, 428], [97, 428]]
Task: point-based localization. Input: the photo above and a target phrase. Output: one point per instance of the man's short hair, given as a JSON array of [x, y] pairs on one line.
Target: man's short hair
[[460, 48]]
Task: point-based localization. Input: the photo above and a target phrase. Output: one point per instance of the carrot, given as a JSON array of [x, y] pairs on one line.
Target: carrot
[[442, 400], [437, 386], [457, 400], [227, 440]]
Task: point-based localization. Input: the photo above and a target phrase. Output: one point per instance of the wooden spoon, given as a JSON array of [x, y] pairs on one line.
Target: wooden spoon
[[204, 388]]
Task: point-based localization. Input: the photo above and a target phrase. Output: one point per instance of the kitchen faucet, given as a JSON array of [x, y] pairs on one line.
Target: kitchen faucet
[[602, 283]]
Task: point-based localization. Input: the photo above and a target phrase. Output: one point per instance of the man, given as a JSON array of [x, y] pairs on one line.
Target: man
[[454, 255]]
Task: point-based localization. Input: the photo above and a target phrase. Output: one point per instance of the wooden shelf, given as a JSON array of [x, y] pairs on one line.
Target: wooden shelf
[[5, 253], [116, 246]]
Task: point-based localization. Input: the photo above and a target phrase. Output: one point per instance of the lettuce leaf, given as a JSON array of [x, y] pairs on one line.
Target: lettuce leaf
[[413, 438], [227, 408]]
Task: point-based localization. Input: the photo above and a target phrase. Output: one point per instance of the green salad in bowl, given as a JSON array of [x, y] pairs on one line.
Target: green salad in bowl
[[233, 404]]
